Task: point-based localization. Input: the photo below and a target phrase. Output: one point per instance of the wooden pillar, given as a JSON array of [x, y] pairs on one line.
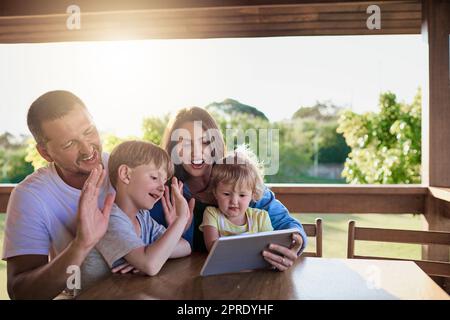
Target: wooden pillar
[[436, 102], [436, 121]]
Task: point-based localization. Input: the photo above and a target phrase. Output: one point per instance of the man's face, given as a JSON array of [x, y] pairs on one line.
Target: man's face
[[73, 143]]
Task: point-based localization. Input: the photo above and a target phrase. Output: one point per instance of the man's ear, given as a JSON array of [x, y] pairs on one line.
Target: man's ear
[[43, 152], [123, 173]]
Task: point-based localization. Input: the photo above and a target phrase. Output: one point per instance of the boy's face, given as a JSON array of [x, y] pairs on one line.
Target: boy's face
[[146, 185], [233, 200], [73, 143]]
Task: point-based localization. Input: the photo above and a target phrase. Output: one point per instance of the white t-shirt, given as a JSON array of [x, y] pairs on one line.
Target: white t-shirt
[[41, 213]]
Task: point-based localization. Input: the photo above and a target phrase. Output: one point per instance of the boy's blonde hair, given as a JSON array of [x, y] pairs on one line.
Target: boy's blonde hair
[[135, 153], [239, 168]]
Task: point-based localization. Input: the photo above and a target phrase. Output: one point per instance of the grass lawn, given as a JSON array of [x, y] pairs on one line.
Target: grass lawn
[[335, 229], [334, 233]]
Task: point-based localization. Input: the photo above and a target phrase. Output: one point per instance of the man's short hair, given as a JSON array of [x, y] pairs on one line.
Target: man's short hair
[[135, 153], [50, 106]]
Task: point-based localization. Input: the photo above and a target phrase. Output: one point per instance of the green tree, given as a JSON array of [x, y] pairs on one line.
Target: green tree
[[109, 141], [13, 166], [229, 108], [295, 149], [153, 128], [32, 155], [321, 121], [386, 146]]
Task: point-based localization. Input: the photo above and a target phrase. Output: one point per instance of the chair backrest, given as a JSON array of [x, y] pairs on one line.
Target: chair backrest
[[314, 230], [433, 268]]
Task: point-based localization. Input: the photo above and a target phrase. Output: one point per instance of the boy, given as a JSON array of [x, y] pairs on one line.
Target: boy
[[138, 171]]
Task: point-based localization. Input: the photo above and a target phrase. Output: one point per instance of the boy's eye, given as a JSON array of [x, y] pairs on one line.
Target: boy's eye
[[226, 194]]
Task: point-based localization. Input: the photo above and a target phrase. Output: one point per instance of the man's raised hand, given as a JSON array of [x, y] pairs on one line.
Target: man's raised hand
[[92, 222]]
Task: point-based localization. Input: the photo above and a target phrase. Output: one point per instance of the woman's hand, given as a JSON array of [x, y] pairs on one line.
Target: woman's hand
[[175, 205], [282, 258]]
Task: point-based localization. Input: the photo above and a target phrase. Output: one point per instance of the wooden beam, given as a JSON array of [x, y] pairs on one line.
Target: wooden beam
[[41, 7], [136, 21], [351, 199], [440, 193], [402, 236]]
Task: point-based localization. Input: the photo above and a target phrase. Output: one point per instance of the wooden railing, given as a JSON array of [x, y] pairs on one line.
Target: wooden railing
[[332, 198], [5, 192]]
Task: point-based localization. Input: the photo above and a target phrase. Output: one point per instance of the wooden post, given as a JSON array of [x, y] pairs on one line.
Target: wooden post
[[436, 120], [351, 240], [436, 100]]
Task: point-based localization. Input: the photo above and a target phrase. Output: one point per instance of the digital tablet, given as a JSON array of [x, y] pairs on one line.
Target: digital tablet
[[243, 252]]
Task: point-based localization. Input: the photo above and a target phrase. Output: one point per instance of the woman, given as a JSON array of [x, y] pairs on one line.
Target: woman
[[194, 141]]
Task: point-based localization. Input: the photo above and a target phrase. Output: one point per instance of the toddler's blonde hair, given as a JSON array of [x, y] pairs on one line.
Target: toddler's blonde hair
[[239, 168]]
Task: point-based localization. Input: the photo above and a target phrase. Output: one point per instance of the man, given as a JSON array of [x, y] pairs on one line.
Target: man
[[55, 212]]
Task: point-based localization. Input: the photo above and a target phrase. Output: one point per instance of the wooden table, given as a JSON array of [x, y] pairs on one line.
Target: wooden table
[[310, 278]]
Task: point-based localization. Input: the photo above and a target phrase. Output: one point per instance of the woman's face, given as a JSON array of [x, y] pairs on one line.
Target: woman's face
[[195, 149]]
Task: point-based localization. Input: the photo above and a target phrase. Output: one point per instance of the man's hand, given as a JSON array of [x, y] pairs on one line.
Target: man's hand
[[92, 222], [283, 258]]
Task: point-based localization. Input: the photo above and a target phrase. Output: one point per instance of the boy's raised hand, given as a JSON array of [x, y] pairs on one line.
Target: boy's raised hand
[[175, 205], [180, 202]]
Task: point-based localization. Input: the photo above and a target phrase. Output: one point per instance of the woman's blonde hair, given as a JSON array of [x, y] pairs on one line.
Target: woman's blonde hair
[[135, 153], [183, 116], [239, 168]]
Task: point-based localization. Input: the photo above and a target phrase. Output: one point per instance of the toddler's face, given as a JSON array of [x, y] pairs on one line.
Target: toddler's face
[[146, 185], [233, 200]]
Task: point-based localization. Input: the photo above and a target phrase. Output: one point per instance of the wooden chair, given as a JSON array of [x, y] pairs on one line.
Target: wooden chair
[[432, 268], [314, 230]]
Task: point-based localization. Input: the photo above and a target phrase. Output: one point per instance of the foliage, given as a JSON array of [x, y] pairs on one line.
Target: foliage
[[13, 166], [386, 146], [321, 121], [33, 156], [153, 128], [230, 108], [109, 141]]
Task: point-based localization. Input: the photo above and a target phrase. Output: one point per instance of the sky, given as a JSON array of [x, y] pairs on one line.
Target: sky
[[122, 82]]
